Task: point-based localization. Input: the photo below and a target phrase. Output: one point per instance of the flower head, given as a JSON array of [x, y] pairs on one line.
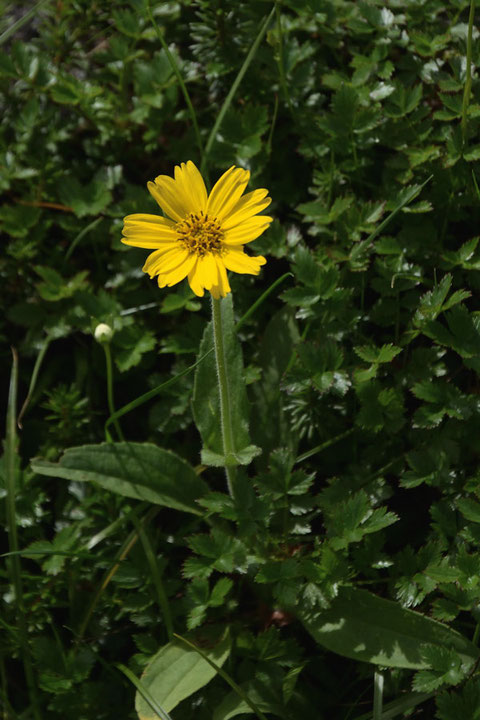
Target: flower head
[[203, 235]]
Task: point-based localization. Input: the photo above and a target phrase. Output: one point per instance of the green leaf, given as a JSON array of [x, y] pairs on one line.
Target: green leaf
[[176, 672], [220, 590], [264, 692], [54, 287], [379, 407], [446, 669], [89, 199], [463, 703], [349, 520], [127, 22], [372, 354], [469, 509], [362, 626], [344, 105], [206, 400], [17, 220], [242, 457], [271, 427], [130, 343], [431, 304], [65, 93], [136, 470]]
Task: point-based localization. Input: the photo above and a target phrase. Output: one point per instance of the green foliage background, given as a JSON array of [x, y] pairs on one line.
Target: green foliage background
[[362, 366]]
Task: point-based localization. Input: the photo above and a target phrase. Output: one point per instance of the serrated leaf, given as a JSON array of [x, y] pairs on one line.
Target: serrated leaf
[[469, 509], [431, 304], [221, 588], [241, 457], [373, 354], [462, 703], [130, 344]]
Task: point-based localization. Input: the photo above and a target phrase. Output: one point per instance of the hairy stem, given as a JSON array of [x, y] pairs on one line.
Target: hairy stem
[[223, 388]]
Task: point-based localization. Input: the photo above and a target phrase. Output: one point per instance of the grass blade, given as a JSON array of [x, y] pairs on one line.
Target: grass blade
[[80, 235], [234, 88], [398, 707], [416, 190], [144, 693], [33, 380], [261, 299], [468, 74], [21, 22], [14, 567], [156, 577], [176, 70], [121, 555], [323, 446], [152, 393]]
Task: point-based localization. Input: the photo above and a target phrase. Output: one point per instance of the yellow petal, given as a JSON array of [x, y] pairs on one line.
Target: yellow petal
[[250, 204], [226, 192], [170, 197], [235, 259], [207, 267], [175, 276], [191, 184], [163, 261], [247, 231], [147, 242], [223, 285], [194, 280], [204, 275], [141, 218], [148, 231]]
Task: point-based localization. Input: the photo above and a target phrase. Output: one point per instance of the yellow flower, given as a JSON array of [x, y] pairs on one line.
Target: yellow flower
[[202, 236]]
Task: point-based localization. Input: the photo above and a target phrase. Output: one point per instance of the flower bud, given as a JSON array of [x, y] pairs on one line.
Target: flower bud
[[103, 333]]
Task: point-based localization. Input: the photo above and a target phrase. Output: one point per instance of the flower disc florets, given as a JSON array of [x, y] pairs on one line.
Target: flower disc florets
[[200, 234]]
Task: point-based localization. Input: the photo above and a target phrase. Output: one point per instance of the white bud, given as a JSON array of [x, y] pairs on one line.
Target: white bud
[[103, 333]]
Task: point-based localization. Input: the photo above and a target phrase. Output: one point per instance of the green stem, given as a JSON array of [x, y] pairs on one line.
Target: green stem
[[225, 405], [111, 404], [378, 696], [14, 560], [468, 73]]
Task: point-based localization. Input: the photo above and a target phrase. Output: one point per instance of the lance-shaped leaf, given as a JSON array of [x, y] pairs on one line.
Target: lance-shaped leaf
[[362, 626], [137, 470], [176, 672], [206, 399]]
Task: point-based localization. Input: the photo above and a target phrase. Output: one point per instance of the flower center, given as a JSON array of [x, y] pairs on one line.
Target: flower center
[[200, 234]]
